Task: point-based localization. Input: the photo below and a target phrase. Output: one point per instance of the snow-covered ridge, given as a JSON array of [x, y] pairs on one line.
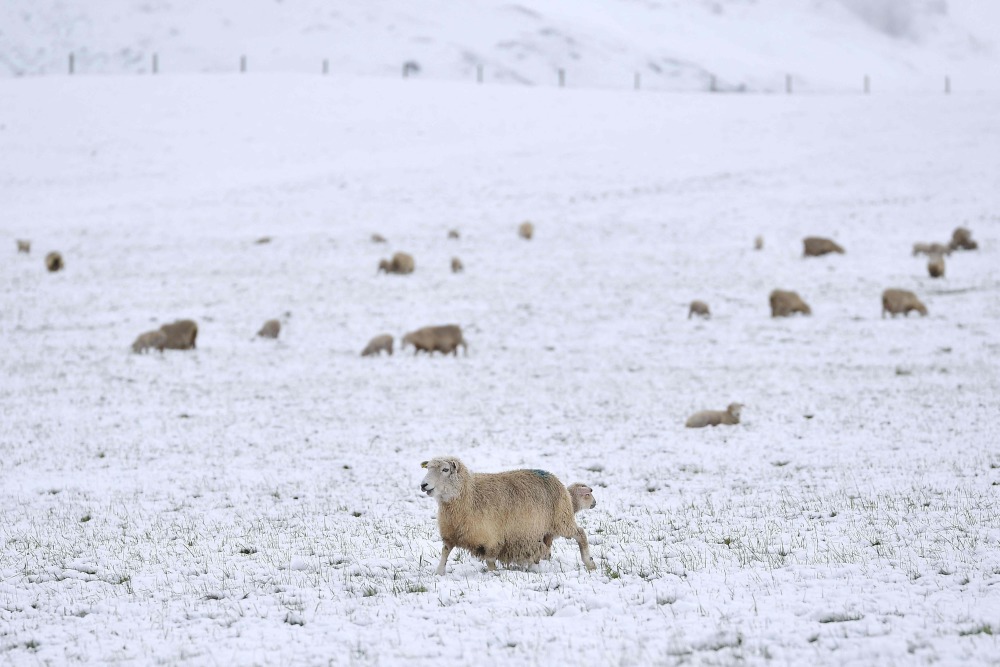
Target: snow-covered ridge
[[671, 44]]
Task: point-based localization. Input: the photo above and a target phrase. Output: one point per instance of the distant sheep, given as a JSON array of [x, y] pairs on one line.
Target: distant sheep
[[814, 246], [504, 516], [935, 266], [444, 339], [263, 240], [271, 329], [181, 335], [54, 262], [931, 249], [729, 416], [526, 230], [896, 301], [151, 340], [961, 239], [785, 303], [401, 263], [453, 234], [378, 238], [23, 245], [456, 265], [377, 345], [758, 243], [698, 308]]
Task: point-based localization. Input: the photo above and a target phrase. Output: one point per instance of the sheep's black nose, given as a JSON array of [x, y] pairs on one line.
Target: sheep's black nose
[[423, 486]]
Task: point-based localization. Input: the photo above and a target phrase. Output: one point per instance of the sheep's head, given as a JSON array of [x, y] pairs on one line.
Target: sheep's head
[[442, 481], [583, 497], [734, 409], [384, 265], [920, 308]]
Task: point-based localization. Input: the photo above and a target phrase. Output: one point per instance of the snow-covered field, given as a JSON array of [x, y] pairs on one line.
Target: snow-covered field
[[257, 502]]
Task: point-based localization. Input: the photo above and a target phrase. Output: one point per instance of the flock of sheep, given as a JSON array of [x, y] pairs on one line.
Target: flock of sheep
[[513, 517]]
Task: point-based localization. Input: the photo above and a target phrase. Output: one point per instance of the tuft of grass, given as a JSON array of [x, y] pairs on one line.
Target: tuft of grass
[[85, 518], [842, 617], [984, 629]]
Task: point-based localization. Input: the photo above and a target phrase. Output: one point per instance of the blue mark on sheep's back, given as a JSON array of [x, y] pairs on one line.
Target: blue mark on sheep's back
[[542, 473]]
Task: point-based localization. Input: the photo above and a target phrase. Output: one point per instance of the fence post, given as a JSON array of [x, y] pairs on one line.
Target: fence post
[[243, 64], [326, 66], [638, 81], [867, 85], [947, 85], [70, 63], [156, 64], [788, 84], [479, 73]]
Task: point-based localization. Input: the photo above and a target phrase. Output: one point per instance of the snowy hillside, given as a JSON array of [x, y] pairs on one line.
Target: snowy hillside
[[825, 45]]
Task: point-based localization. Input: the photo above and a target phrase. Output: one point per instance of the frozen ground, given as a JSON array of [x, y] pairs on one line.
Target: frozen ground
[[257, 502]]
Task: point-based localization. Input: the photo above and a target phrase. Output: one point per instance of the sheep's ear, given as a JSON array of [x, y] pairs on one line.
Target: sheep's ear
[[423, 464], [454, 465]]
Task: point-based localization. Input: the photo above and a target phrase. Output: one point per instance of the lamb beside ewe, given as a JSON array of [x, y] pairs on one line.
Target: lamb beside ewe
[[500, 516], [935, 266], [444, 339], [271, 329], [151, 340], [583, 499], [785, 303], [698, 308], [961, 238], [54, 262], [24, 246], [377, 345], [895, 301], [814, 246], [401, 263], [181, 335], [729, 416], [526, 230]]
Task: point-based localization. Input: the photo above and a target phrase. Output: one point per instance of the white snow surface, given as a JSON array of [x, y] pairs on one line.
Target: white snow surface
[[257, 502], [823, 45]]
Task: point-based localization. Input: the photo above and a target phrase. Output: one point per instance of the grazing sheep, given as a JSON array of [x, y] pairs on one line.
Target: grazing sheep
[[935, 266], [401, 263], [54, 262], [698, 308], [526, 230], [504, 516], [151, 340], [814, 246], [453, 234], [456, 265], [758, 243], [181, 335], [931, 249], [784, 303], [897, 301], [271, 329], [377, 345], [444, 339], [378, 238], [23, 245], [961, 238], [729, 416]]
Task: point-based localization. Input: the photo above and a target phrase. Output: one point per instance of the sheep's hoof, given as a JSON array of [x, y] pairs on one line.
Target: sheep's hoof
[[591, 565]]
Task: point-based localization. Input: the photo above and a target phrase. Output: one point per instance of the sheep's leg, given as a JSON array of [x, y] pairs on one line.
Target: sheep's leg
[[445, 552], [491, 564], [581, 539]]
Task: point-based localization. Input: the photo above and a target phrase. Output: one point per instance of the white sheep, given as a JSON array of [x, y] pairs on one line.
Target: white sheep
[[271, 329], [377, 345], [784, 303], [151, 340], [456, 265], [729, 416], [526, 230], [23, 245], [500, 516], [401, 263], [935, 266], [54, 262], [815, 246], [699, 308], [895, 301], [445, 339], [181, 335], [583, 499]]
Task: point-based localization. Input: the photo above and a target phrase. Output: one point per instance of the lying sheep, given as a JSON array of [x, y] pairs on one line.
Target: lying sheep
[[453, 234], [456, 265], [758, 243], [500, 516], [931, 249], [151, 340], [401, 263], [377, 345], [23, 245], [729, 416], [935, 266], [181, 335], [897, 301], [698, 308], [54, 262], [526, 230], [814, 246], [961, 238], [784, 303], [271, 329], [444, 339], [378, 238]]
